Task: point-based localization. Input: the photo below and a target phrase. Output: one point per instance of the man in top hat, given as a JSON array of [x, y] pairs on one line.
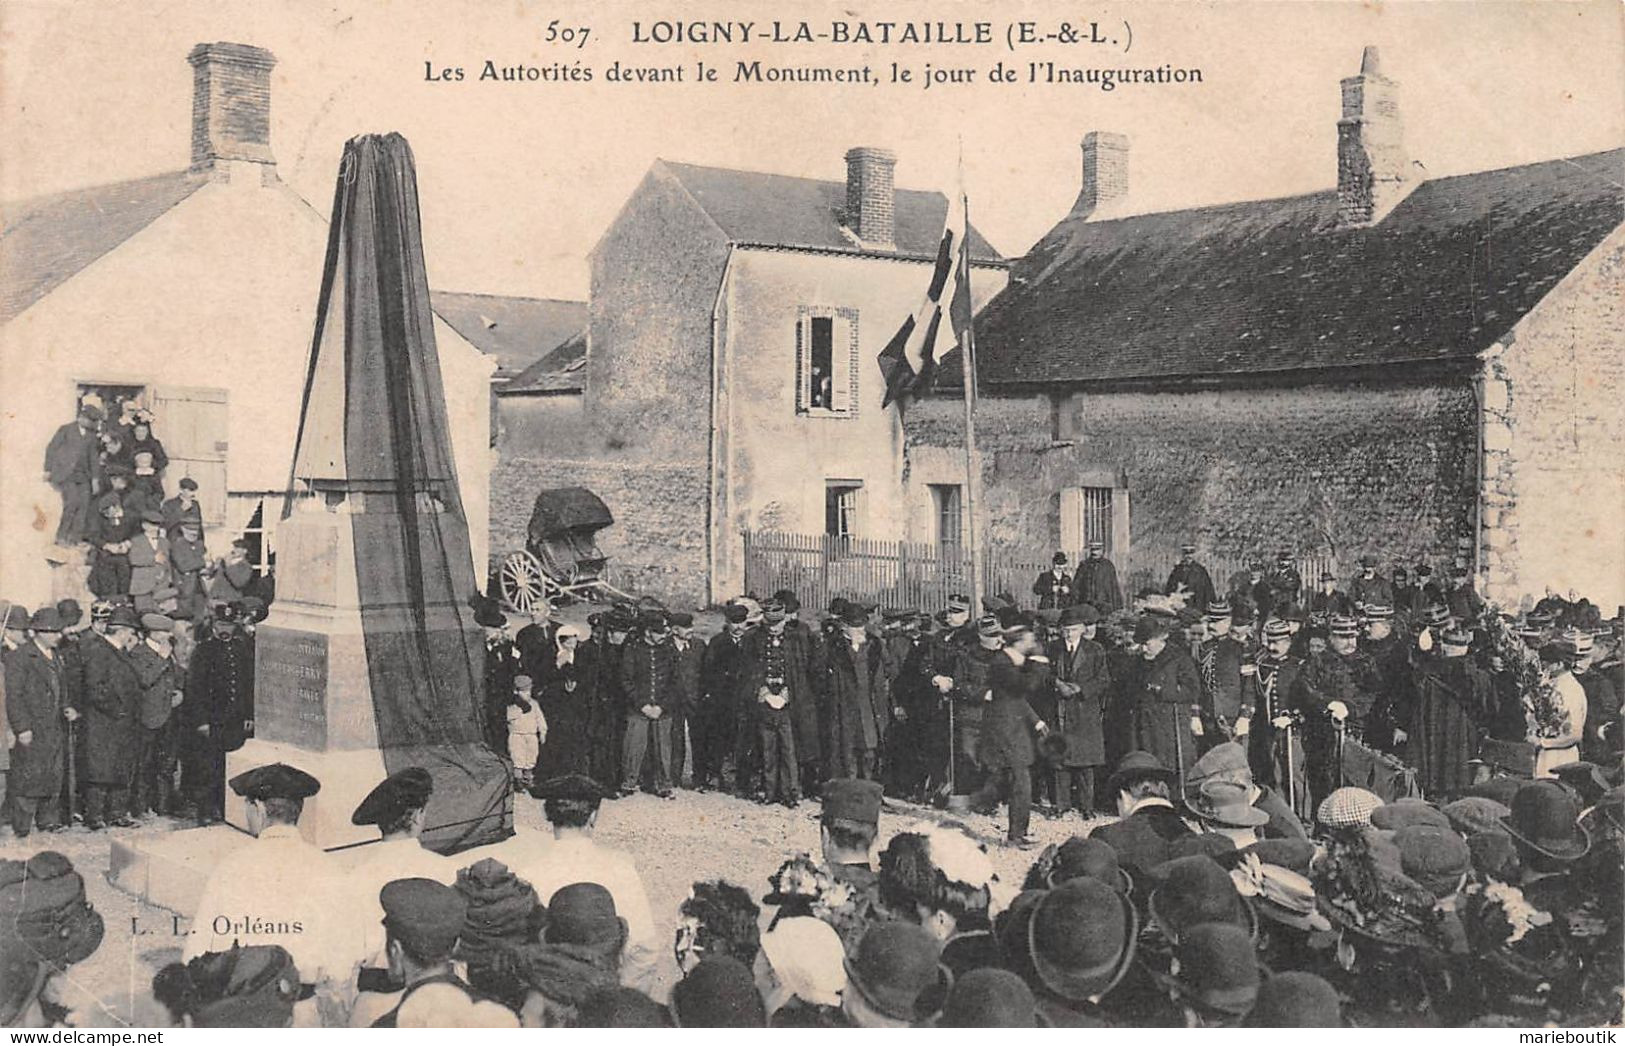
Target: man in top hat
[[501, 665], [217, 713], [1368, 587], [1082, 681], [1165, 710], [571, 804], [723, 670], [1335, 693], [1096, 581], [112, 706], [277, 889], [38, 713], [1327, 600], [1190, 577], [859, 706], [1054, 586], [72, 466], [649, 680], [1225, 663]]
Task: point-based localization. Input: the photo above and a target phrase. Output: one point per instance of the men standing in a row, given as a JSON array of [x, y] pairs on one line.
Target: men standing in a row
[[723, 675], [217, 713], [38, 713], [72, 466], [648, 676], [1054, 587], [1191, 577], [1082, 683], [112, 701], [1096, 583]]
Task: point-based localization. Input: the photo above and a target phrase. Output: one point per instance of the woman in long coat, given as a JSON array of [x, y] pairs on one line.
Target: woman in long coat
[[1167, 699], [565, 704]]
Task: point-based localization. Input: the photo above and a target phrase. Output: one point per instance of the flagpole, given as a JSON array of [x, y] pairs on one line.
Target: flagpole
[[973, 474]]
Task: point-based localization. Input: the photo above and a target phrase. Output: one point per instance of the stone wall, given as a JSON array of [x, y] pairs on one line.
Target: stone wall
[[1554, 482], [657, 544], [1386, 468]]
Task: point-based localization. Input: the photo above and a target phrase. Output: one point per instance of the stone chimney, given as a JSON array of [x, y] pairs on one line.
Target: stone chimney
[[1105, 172], [871, 198], [1373, 170], [231, 105]]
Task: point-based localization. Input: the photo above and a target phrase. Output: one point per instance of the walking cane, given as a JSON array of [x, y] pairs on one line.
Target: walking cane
[[1179, 751], [1342, 732], [1291, 773], [73, 778], [953, 787]]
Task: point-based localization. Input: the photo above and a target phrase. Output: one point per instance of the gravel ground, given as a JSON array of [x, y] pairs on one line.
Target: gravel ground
[[674, 842]]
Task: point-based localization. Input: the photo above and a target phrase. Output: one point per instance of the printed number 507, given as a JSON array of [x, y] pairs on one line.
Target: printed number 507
[[557, 34]]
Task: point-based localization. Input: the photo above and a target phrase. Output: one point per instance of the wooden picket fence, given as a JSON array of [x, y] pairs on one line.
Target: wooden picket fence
[[819, 567]]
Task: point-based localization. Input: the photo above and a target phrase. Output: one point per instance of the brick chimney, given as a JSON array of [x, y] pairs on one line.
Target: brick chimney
[[871, 198], [1373, 170], [231, 104], [1105, 172]]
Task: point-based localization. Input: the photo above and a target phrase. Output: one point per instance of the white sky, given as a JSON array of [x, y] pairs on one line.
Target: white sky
[[518, 181]]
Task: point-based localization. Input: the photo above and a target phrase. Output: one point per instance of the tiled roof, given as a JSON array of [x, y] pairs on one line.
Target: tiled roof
[[517, 331], [1274, 285], [47, 239], [782, 211], [562, 370]]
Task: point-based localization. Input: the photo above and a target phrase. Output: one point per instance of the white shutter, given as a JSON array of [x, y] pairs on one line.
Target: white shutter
[[1072, 518], [841, 396], [803, 361], [192, 423]]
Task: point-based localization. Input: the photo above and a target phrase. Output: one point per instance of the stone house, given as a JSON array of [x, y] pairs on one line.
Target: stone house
[[1423, 369], [730, 380], [194, 292]]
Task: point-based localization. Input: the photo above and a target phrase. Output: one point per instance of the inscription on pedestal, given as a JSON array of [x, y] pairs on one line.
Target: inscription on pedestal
[[290, 688]]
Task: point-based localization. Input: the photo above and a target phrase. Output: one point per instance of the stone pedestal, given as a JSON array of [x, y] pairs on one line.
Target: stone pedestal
[[313, 700]]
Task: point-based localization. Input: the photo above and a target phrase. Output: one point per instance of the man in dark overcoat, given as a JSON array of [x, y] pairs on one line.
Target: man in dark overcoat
[[723, 672], [1054, 586], [1337, 690], [72, 466], [217, 712], [783, 662], [1096, 582], [161, 681], [38, 715], [690, 658], [1082, 683], [1192, 577], [1451, 716], [112, 704], [648, 677], [1165, 713], [1005, 749], [855, 682]]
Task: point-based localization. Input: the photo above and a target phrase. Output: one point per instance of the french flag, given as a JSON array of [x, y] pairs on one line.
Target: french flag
[[909, 360]]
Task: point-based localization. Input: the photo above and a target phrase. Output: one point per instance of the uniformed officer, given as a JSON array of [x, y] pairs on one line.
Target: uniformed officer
[[279, 889], [217, 712], [423, 921], [1274, 686], [1336, 693], [1224, 662]]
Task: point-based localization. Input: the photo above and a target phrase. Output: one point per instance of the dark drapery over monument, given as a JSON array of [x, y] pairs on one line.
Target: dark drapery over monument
[[371, 661]]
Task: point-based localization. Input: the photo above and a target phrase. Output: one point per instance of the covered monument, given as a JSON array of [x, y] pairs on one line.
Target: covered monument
[[371, 661]]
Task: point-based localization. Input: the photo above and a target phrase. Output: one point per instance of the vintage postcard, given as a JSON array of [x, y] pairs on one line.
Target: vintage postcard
[[811, 514]]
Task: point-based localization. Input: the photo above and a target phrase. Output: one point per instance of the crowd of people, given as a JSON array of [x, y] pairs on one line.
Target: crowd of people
[[1207, 904], [1371, 803]]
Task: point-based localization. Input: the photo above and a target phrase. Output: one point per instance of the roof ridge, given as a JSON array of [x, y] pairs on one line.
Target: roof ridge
[[779, 174], [30, 201], [510, 297]]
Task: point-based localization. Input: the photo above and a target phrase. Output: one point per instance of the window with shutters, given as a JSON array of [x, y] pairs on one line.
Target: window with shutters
[[841, 507], [827, 362]]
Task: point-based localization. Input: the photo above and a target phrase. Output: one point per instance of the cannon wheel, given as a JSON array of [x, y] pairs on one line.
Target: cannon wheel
[[523, 581]]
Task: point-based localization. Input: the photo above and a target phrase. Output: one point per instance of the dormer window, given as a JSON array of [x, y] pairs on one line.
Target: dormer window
[[827, 362]]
